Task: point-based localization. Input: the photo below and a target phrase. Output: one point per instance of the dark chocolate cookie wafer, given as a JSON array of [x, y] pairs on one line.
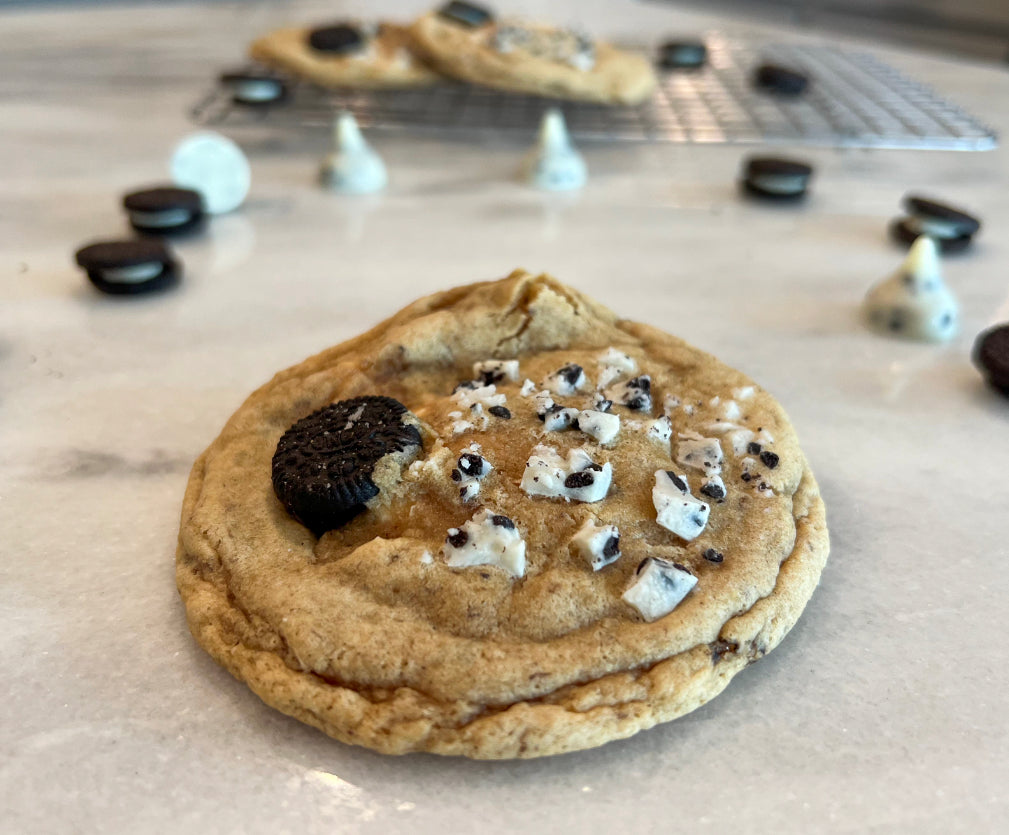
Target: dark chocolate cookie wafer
[[129, 267]]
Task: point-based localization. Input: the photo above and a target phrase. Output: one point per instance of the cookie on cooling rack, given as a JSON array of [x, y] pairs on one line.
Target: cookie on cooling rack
[[346, 55], [465, 41], [503, 523]]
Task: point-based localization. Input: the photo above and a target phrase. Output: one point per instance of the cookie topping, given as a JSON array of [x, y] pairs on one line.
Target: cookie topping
[[769, 458], [547, 474], [473, 465], [543, 403], [561, 45], [323, 465], [658, 587], [528, 388], [566, 381], [600, 425], [557, 418], [711, 555], [676, 510], [714, 488], [635, 394], [598, 544], [600, 403], [480, 395], [465, 14], [660, 430], [704, 454], [613, 365], [496, 371], [487, 539], [753, 448], [500, 412]]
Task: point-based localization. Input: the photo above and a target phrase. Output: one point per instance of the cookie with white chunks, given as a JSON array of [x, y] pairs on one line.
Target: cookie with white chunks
[[487, 602], [129, 267], [346, 54], [468, 42], [164, 210]]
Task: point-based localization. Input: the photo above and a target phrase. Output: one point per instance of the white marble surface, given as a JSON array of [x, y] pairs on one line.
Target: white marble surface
[[884, 710]]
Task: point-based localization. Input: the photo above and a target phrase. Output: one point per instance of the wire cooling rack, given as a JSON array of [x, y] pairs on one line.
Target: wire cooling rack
[[854, 100]]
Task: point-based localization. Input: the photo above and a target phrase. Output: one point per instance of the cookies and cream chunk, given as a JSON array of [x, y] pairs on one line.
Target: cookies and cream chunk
[[566, 381], [468, 396], [602, 426], [699, 453], [676, 509], [613, 365], [576, 477], [658, 587], [496, 371], [599, 545], [557, 419], [486, 539], [635, 394]]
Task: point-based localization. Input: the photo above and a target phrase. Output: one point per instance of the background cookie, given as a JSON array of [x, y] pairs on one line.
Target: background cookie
[[379, 56], [397, 632], [533, 58]]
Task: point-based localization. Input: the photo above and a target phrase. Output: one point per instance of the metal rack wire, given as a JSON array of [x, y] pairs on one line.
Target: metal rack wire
[[854, 100]]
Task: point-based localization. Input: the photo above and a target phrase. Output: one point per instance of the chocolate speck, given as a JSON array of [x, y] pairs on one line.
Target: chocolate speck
[[612, 546], [471, 464], [714, 491], [753, 448], [457, 539], [456, 475], [769, 458], [502, 522], [746, 476], [678, 482], [582, 479], [465, 384], [500, 412], [722, 648], [711, 555]]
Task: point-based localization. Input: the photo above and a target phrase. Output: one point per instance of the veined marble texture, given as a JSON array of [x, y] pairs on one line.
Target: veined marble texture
[[884, 710]]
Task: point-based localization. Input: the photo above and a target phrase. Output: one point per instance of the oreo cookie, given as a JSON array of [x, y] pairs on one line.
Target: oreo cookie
[[951, 228], [784, 81], [324, 464], [465, 14], [339, 39], [682, 55], [991, 356], [776, 177], [255, 88], [165, 210], [129, 267], [906, 231]]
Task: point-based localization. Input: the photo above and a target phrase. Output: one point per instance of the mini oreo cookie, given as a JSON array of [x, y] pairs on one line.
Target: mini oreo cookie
[[991, 356], [465, 14], [781, 80], [776, 177], [255, 88], [323, 466], [164, 210], [682, 55], [940, 220], [904, 231], [339, 39], [129, 267]]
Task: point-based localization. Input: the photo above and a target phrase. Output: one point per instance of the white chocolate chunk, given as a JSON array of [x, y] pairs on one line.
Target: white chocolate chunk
[[713, 487], [635, 394], [704, 454], [566, 381], [495, 371], [658, 587], [660, 430], [740, 440], [479, 396], [744, 393], [486, 539], [548, 474], [602, 426], [557, 420], [613, 358], [676, 510], [599, 545], [542, 402], [528, 388], [730, 411]]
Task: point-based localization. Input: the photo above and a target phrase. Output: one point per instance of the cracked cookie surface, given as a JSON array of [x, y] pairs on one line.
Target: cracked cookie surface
[[397, 632]]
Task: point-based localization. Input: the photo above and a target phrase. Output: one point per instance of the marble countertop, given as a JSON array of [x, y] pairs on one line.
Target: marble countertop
[[883, 711]]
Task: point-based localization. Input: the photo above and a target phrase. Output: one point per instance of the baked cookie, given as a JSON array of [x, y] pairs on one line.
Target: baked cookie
[[346, 55], [529, 527], [530, 58]]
